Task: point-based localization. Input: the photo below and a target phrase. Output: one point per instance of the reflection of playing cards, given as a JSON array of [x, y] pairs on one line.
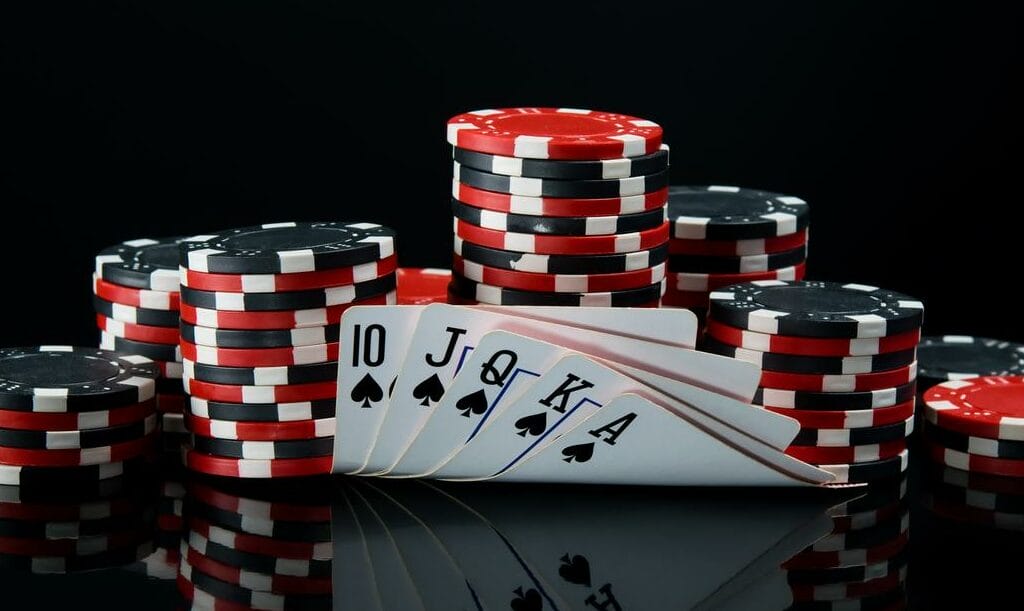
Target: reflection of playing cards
[[580, 395]]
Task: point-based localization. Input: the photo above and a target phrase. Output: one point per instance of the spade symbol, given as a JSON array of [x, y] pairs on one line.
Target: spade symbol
[[430, 391], [474, 402], [527, 601], [367, 391], [579, 453], [575, 569], [534, 425]]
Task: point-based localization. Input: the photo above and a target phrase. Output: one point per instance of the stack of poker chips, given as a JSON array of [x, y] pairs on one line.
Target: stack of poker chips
[[960, 357], [862, 563], [838, 358], [729, 235], [257, 549], [136, 297], [423, 285], [260, 315], [558, 207]]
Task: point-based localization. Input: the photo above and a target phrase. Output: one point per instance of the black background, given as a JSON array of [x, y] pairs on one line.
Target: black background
[[900, 124]]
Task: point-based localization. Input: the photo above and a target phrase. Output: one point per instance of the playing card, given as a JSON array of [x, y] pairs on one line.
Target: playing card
[[352, 571], [375, 341], [675, 327]]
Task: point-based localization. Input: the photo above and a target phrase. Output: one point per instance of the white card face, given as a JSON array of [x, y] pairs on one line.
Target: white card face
[[634, 441], [374, 341], [672, 327], [352, 572]]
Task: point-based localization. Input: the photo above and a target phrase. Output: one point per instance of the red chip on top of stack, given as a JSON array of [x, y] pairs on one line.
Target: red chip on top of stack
[[136, 297], [260, 312], [839, 358], [728, 235], [558, 206]]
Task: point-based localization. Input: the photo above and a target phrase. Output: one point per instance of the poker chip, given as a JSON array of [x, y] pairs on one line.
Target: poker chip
[[554, 133], [145, 333], [171, 403], [738, 248], [1003, 503], [260, 394], [312, 532], [816, 309], [71, 379], [826, 401], [65, 479], [139, 298], [854, 574], [857, 437], [255, 469], [259, 582], [848, 419], [280, 283], [264, 450], [257, 544], [990, 406], [281, 506], [883, 594], [285, 319], [958, 357], [260, 431], [73, 563], [980, 446], [848, 557], [866, 519], [131, 314], [558, 283], [279, 338], [973, 515], [732, 213], [173, 424], [259, 357], [850, 454], [737, 265], [169, 369], [600, 169], [685, 299], [495, 295], [878, 494], [206, 589], [810, 346], [980, 482], [543, 187], [560, 245], [561, 264], [423, 286], [156, 352], [868, 537], [851, 473], [957, 459], [791, 363], [293, 300], [260, 376], [75, 529], [286, 248], [65, 440], [142, 264], [703, 282], [564, 226], [258, 562], [556, 206], [76, 421], [263, 412], [78, 457], [839, 383]]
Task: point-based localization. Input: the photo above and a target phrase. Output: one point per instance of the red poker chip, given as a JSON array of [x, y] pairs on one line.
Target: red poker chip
[[685, 299], [848, 455], [423, 286], [850, 419], [804, 346], [290, 393], [258, 544], [139, 298], [695, 282], [78, 457], [1008, 467], [558, 283], [171, 404], [143, 333], [557, 206], [267, 510], [561, 245], [260, 431], [839, 383], [989, 406], [554, 133], [256, 468], [279, 283], [257, 582], [846, 558], [76, 421], [737, 248], [201, 599], [259, 357], [282, 319]]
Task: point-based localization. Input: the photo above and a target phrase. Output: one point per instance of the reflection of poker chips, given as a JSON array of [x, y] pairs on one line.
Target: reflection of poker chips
[[566, 226], [67, 479], [89, 438], [696, 282], [258, 582], [842, 365], [144, 264], [866, 519], [279, 283], [292, 300], [849, 454], [854, 437], [543, 187], [845, 593], [262, 376], [848, 557], [264, 450], [82, 457], [284, 319], [707, 264], [824, 401], [59, 565], [850, 574], [622, 167], [879, 494], [893, 598], [738, 248], [422, 285], [267, 503], [991, 406], [973, 515], [260, 394], [957, 357], [77, 421], [261, 431], [262, 412], [233, 467], [311, 532], [145, 333], [139, 298], [733, 213], [80, 529], [980, 482], [561, 245], [848, 419], [259, 562], [784, 344], [973, 462], [257, 544], [864, 538], [81, 546], [980, 446], [495, 295], [839, 383], [133, 315], [558, 207], [156, 352], [886, 468], [268, 338], [1003, 503], [243, 597], [558, 283], [611, 263], [259, 357]]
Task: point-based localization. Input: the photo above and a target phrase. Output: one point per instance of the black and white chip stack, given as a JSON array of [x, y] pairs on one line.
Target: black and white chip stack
[[729, 235], [136, 297], [261, 309], [838, 358], [558, 206]]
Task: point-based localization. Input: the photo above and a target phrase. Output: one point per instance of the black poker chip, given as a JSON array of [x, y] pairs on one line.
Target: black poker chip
[[710, 264], [89, 438], [956, 357], [311, 532], [72, 379], [836, 401], [144, 264], [291, 300], [601, 169], [263, 412], [134, 315], [483, 293], [816, 309], [853, 437], [262, 376], [821, 365], [558, 225], [150, 350], [542, 187], [872, 471], [281, 248], [561, 264], [979, 446], [732, 213], [270, 338], [264, 450]]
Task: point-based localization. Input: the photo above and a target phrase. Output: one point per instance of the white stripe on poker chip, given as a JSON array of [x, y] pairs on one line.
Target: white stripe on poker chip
[[286, 412]]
